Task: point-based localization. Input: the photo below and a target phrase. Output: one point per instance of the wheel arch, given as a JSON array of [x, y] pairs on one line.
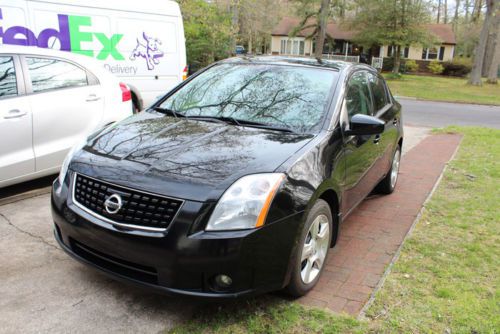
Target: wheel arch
[[330, 196]]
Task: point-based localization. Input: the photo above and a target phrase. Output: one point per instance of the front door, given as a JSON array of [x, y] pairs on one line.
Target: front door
[[361, 152], [16, 147]]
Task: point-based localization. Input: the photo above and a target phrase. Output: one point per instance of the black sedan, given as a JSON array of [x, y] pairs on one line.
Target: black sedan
[[236, 181]]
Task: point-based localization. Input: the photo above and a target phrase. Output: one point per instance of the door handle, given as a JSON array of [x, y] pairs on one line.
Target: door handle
[[376, 140], [395, 121], [15, 113], [92, 97]]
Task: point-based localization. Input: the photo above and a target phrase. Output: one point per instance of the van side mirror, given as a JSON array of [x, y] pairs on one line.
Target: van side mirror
[[365, 125]]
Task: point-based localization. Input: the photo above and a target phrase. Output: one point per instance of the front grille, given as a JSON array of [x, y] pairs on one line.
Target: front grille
[[139, 209]]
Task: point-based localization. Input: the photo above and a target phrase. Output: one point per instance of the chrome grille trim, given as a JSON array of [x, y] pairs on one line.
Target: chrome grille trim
[[115, 223]]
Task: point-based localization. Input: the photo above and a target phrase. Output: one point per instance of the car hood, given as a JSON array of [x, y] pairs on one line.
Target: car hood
[[189, 159]]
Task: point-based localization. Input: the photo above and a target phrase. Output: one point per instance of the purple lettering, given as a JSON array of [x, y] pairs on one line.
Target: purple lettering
[[62, 35], [11, 36]]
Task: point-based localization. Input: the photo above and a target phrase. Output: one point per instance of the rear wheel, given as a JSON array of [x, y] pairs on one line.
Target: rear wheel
[[313, 249], [388, 184]]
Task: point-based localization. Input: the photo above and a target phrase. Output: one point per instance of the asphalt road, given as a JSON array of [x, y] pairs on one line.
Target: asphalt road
[[441, 114]]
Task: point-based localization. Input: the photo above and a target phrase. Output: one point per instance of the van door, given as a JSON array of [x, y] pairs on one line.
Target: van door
[[67, 104], [16, 149]]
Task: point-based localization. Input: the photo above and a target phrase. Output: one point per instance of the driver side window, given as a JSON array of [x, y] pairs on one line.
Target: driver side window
[[358, 100]]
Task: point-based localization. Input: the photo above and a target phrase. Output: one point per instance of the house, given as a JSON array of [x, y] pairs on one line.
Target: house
[[300, 45]]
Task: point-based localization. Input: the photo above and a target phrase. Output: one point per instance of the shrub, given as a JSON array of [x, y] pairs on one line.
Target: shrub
[[411, 65], [456, 69], [435, 67]]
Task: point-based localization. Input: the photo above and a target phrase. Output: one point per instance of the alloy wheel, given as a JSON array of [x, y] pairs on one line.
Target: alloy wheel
[[315, 249], [395, 168]]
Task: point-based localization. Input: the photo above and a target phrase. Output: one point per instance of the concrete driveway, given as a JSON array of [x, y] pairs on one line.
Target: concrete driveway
[[44, 290]]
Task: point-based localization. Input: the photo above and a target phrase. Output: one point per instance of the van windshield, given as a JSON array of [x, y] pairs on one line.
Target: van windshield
[[283, 96]]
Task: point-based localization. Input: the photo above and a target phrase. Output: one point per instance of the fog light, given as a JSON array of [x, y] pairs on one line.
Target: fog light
[[223, 281]]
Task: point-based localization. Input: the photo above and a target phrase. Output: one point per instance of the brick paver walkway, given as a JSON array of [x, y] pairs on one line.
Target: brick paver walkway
[[372, 234]]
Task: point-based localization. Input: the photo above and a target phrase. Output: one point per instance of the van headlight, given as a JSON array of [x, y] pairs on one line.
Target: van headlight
[[245, 203], [67, 160]]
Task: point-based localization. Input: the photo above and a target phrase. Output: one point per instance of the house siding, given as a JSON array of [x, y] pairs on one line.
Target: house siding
[[414, 52]]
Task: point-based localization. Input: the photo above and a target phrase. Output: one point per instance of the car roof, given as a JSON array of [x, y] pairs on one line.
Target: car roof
[[295, 61]]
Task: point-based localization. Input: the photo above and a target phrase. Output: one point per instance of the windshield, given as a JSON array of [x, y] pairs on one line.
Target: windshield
[[282, 96]]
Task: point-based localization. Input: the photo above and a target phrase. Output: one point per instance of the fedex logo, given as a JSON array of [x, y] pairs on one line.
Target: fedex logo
[[69, 35]]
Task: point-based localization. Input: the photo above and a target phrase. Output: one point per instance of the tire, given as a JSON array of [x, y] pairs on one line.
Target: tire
[[388, 184], [302, 280]]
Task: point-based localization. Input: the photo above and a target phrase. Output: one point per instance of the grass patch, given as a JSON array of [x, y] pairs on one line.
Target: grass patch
[[448, 276], [267, 314], [439, 88], [446, 280]]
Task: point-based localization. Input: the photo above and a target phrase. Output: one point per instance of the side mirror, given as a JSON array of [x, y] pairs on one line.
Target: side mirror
[[365, 125]]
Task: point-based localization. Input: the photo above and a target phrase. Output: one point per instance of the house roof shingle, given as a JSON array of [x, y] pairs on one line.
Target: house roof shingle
[[443, 31]]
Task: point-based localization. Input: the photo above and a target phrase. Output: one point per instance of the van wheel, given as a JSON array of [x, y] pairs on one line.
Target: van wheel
[[310, 256], [388, 184]]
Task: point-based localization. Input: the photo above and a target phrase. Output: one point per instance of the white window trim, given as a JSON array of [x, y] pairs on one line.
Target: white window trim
[[438, 48], [291, 41]]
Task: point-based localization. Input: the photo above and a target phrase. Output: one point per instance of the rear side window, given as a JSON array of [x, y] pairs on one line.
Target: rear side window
[[358, 95], [49, 74], [8, 84], [378, 90]]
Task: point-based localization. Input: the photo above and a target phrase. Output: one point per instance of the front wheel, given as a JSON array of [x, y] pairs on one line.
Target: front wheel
[[311, 253], [388, 184]]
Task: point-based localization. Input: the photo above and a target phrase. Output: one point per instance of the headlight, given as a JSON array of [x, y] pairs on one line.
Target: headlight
[[246, 203], [67, 160]]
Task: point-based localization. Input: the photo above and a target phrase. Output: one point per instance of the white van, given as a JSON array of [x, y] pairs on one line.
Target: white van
[[140, 42]]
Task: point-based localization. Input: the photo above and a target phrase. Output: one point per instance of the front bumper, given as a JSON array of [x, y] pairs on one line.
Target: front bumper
[[179, 260]]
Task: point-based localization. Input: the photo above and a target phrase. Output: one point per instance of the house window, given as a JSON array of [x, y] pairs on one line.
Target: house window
[[292, 47], [392, 49], [430, 53]]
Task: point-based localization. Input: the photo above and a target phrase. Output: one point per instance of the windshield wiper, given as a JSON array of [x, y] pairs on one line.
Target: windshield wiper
[[170, 112], [225, 119], [242, 122]]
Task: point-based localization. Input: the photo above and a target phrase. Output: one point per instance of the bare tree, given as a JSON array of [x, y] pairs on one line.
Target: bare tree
[[439, 12], [476, 11], [495, 59], [475, 76], [445, 11], [467, 10], [323, 20]]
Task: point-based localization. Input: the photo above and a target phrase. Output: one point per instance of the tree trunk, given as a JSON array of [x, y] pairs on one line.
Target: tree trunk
[[475, 76], [323, 21], [495, 61], [250, 46], [397, 58], [491, 43], [457, 6], [467, 10], [445, 11], [476, 11], [439, 12]]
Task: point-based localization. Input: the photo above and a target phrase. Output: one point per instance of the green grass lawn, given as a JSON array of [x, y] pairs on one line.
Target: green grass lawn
[[447, 279], [440, 88]]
